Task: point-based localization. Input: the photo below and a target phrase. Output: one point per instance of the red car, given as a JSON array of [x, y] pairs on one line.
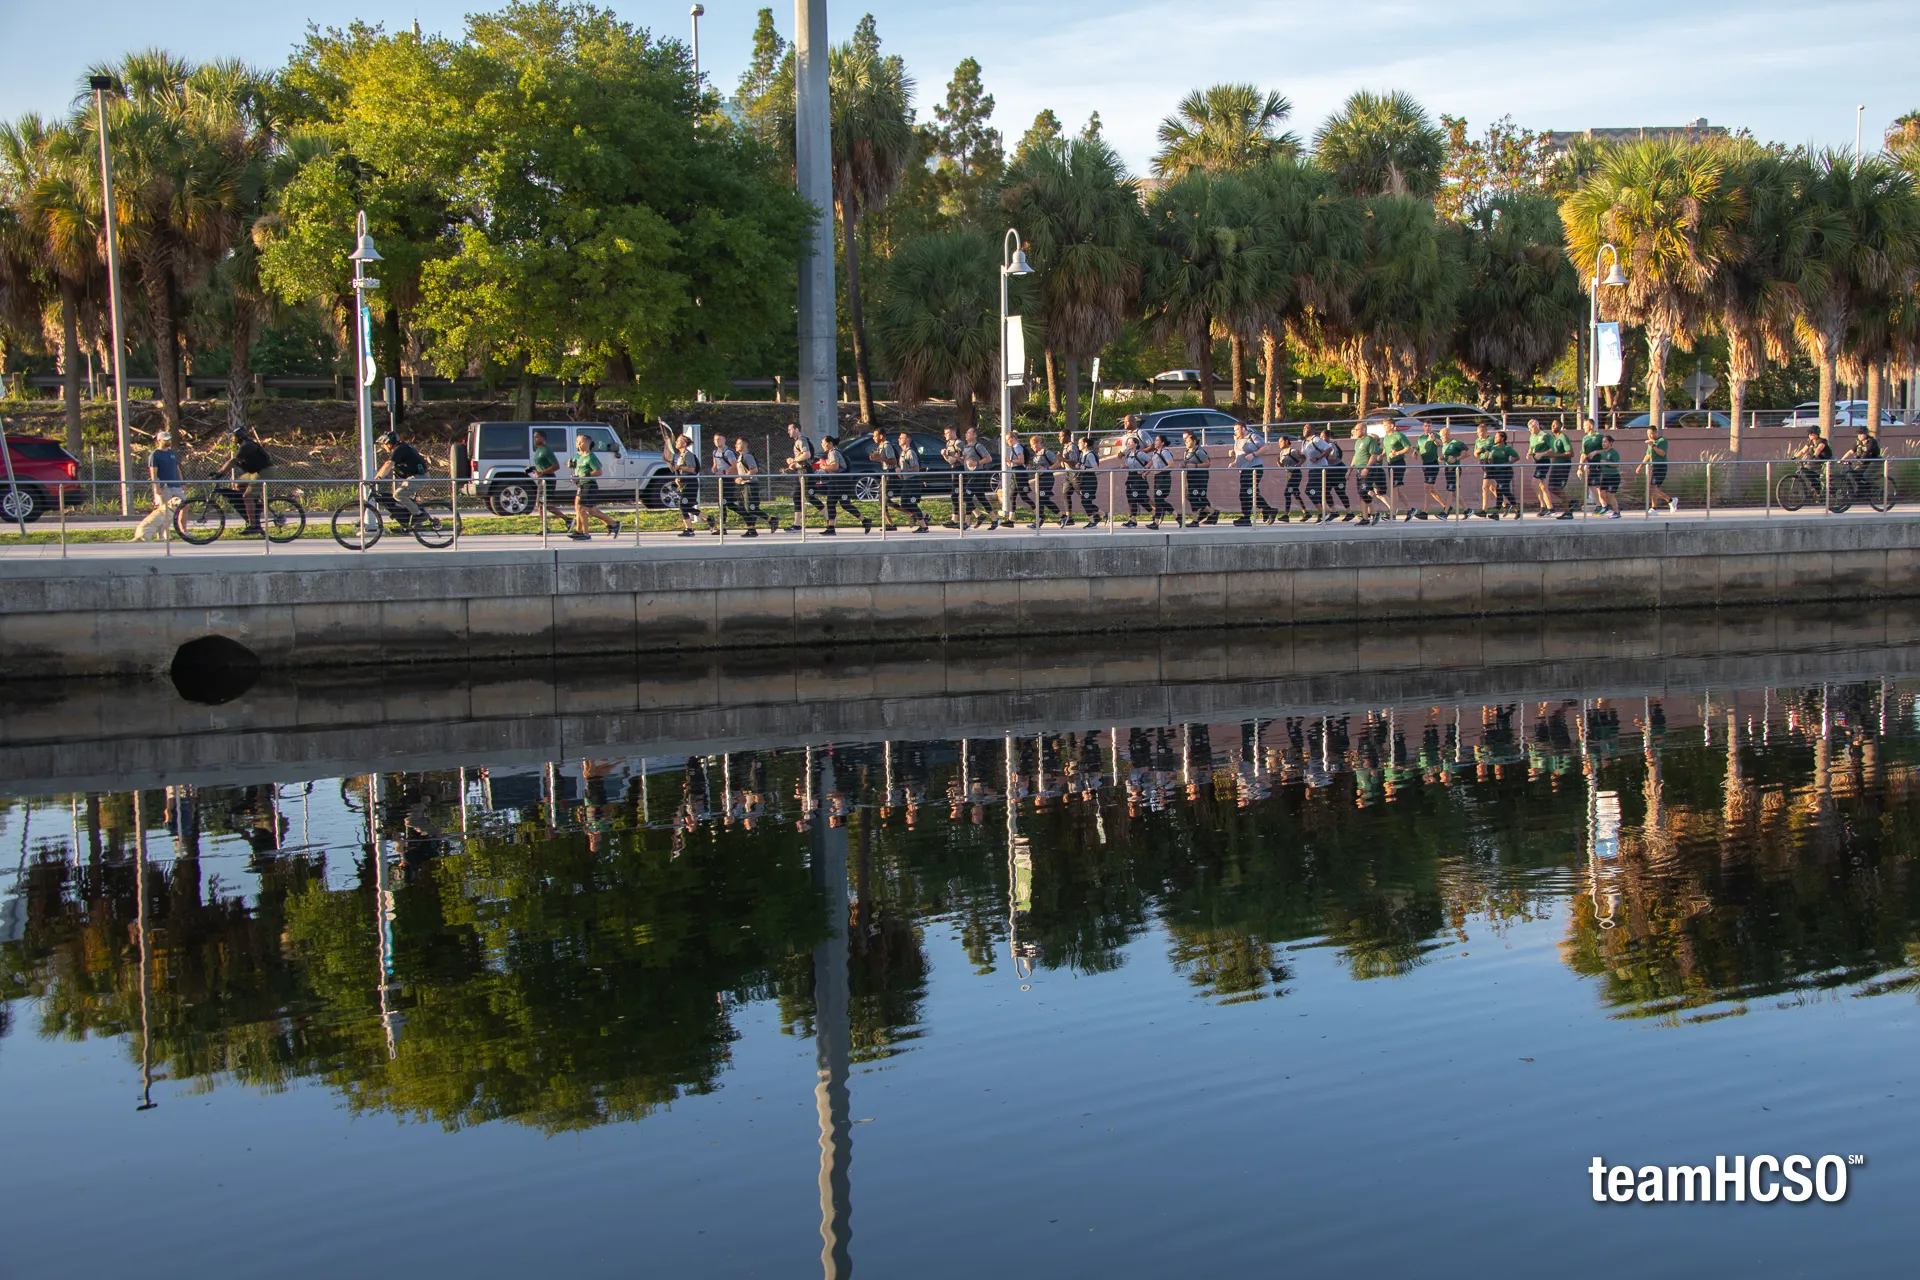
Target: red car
[[42, 472]]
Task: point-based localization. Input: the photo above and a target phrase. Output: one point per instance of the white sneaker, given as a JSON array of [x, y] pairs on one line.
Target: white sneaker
[[1673, 504]]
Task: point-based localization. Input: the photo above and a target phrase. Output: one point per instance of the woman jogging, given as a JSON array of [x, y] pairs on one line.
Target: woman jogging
[[585, 465]]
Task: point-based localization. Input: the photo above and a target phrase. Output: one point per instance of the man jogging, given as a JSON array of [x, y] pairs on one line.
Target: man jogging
[[1500, 459], [1655, 466], [907, 467], [1247, 460], [1559, 471], [978, 460], [1044, 463], [1368, 453], [745, 468], [1293, 462], [1603, 473], [1428, 449], [1199, 508], [1451, 453], [1397, 450], [1085, 462]]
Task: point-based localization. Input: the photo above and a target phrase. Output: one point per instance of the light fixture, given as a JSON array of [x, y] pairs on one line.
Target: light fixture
[[364, 250], [1020, 266], [1615, 280]]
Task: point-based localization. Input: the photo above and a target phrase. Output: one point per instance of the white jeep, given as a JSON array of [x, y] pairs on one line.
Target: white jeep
[[500, 462]]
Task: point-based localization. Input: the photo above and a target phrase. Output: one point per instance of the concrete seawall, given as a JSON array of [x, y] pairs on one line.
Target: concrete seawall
[[310, 608]]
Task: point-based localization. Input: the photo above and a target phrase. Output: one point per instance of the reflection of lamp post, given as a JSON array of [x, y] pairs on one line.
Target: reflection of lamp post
[[833, 1038], [100, 85], [1013, 262], [1613, 280], [363, 253], [1019, 878], [146, 955]]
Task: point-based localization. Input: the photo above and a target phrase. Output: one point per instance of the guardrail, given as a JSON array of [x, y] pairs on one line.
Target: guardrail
[[436, 513]]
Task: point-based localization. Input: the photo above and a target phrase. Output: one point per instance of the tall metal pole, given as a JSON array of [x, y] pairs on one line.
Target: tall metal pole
[[1006, 391], [695, 13], [1859, 118], [813, 170], [363, 344], [100, 85]]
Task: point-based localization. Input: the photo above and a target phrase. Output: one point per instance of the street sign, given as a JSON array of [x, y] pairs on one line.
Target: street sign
[[1699, 384]]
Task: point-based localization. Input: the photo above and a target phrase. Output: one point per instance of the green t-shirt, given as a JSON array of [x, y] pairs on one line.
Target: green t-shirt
[[1591, 443], [1657, 449], [1365, 451], [1502, 454], [1609, 460], [585, 465], [1557, 445], [1453, 450], [1428, 448], [1481, 444], [1538, 444], [1396, 445], [543, 459]]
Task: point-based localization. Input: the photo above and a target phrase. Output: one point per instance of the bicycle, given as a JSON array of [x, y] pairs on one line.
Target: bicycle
[[200, 521], [359, 524], [1850, 485]]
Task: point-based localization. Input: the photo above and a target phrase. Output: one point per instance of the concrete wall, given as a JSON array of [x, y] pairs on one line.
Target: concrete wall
[[125, 616]]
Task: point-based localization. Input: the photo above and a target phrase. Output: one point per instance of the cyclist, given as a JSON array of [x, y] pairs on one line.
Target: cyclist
[[401, 463], [247, 465]]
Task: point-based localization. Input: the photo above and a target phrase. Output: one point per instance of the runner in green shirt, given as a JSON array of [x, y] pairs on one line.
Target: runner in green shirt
[[1428, 447], [585, 465], [1591, 443], [1451, 452], [1367, 453], [1397, 448], [1559, 471], [1655, 465], [1483, 441], [545, 468], [1540, 450], [1603, 473], [1500, 458]]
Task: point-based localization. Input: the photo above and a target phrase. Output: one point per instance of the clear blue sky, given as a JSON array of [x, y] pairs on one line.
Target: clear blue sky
[[1791, 72]]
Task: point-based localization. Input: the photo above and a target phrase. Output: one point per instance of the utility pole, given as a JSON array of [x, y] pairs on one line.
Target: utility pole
[[813, 170], [695, 13], [100, 85]]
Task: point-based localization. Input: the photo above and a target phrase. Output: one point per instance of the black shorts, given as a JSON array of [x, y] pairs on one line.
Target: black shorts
[[1608, 483], [1542, 469], [1430, 471], [1558, 475], [1375, 478], [1502, 476], [1399, 470], [1453, 477], [1658, 471], [584, 489]]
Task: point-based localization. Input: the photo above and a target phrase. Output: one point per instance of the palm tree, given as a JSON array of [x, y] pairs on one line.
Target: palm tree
[[1382, 144], [1860, 249], [1521, 304], [1229, 128], [1205, 260], [55, 234], [1752, 305], [938, 319], [1314, 240], [1668, 209], [1406, 291], [1084, 231]]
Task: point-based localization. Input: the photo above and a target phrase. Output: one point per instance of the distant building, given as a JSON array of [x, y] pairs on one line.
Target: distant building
[[1693, 131]]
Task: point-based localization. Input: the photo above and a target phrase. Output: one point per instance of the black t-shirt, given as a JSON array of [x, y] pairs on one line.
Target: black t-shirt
[[407, 462], [251, 458], [1866, 447]]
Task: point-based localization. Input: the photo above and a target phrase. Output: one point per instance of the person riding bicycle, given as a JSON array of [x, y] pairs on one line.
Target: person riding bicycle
[[401, 463], [1865, 449], [247, 465]]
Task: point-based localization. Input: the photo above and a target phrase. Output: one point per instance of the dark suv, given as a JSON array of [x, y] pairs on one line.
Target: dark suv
[[926, 447], [1213, 426], [42, 472]]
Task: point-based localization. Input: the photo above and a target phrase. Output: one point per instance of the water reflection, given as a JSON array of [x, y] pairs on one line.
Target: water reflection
[[568, 946]]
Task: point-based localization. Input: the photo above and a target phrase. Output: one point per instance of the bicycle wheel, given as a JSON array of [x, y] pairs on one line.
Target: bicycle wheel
[[1793, 492], [285, 519], [1882, 493], [1840, 496], [358, 525], [433, 527], [200, 520]]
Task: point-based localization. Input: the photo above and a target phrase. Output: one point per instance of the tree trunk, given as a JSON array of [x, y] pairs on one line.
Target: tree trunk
[[1072, 398], [1737, 404], [240, 372], [1206, 362], [1237, 359], [394, 347], [1743, 365], [524, 397], [1658, 345], [862, 375], [1876, 396], [164, 329], [70, 362], [1826, 390], [963, 410], [589, 402], [1366, 392], [1053, 385], [1270, 351]]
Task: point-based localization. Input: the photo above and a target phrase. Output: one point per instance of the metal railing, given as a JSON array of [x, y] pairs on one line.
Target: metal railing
[[437, 513]]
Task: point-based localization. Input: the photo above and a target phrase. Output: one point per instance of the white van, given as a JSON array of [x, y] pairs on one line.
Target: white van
[[500, 465]]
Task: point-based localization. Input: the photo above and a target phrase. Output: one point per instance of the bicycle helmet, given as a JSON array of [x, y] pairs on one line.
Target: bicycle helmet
[[389, 436]]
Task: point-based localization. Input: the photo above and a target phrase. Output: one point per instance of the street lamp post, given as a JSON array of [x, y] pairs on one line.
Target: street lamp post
[[363, 253], [1613, 280], [1013, 262], [696, 13], [100, 85]]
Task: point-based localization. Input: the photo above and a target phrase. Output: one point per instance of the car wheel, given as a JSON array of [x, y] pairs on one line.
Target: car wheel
[[22, 503], [866, 489], [511, 498]]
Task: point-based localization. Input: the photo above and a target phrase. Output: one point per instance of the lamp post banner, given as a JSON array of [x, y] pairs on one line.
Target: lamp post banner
[[1606, 340], [369, 371], [1016, 370]]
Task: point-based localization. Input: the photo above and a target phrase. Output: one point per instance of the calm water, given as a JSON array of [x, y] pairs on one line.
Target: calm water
[[1348, 994]]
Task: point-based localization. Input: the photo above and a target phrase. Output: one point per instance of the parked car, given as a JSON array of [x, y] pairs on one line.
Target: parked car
[[1683, 418], [1214, 426], [932, 478], [1418, 419], [41, 470], [1850, 414], [500, 465], [1177, 378]]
